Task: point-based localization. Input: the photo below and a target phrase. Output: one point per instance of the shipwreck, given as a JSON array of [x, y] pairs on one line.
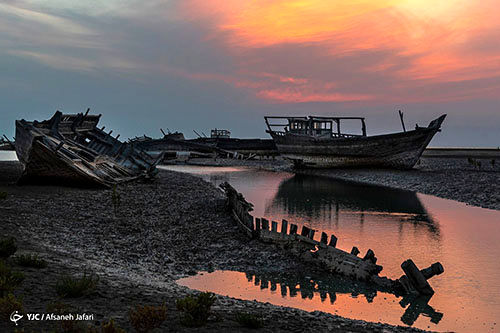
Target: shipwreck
[[325, 254], [319, 142], [69, 149]]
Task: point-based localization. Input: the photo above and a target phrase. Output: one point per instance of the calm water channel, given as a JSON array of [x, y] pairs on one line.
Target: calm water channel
[[397, 225]]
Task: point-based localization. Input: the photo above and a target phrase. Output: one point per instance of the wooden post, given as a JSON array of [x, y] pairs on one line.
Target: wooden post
[[311, 233], [274, 226], [265, 224], [416, 278], [324, 238], [333, 241], [257, 224], [402, 121], [370, 255], [305, 231], [284, 226], [434, 269], [355, 250], [293, 229]]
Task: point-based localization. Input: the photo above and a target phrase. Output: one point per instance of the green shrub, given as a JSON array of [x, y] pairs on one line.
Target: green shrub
[[8, 304], [145, 318], [249, 320], [9, 279], [7, 247], [3, 195], [73, 287], [31, 260], [195, 310]]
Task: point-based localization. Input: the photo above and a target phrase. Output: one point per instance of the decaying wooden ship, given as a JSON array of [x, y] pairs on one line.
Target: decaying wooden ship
[[69, 149], [6, 144], [218, 144], [318, 142]]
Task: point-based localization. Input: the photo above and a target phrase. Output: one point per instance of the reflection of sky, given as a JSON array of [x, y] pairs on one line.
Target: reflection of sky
[[199, 64], [463, 238]]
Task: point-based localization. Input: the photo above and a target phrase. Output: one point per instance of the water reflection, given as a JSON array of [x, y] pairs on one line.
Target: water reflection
[[321, 198], [396, 225], [315, 292]]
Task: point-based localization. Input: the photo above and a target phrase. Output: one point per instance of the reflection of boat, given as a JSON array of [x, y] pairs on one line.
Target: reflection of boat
[[310, 195], [71, 150], [314, 142], [328, 287]]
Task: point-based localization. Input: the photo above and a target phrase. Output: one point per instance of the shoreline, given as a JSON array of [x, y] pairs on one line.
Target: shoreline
[[164, 230], [447, 178]]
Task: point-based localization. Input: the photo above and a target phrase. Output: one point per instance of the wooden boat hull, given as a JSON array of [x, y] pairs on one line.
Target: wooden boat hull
[[398, 150], [84, 156]]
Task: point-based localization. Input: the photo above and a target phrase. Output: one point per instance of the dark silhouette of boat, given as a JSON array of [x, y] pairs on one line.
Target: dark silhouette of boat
[[69, 149], [313, 142]]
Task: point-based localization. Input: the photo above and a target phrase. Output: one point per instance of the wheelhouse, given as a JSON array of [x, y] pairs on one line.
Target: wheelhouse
[[320, 127]]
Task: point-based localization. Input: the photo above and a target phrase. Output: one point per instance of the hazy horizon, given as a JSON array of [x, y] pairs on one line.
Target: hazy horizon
[[199, 65]]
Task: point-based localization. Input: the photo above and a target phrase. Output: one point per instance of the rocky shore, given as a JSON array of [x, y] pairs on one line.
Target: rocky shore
[[450, 178], [139, 239]]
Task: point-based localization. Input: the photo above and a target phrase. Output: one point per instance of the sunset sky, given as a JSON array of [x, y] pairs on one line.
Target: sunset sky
[[201, 64]]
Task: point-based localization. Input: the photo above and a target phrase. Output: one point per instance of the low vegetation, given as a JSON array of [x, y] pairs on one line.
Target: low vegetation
[[249, 320], [9, 279], [3, 195], [108, 327], [7, 247], [8, 304], [74, 287], [195, 310], [31, 260], [145, 318]]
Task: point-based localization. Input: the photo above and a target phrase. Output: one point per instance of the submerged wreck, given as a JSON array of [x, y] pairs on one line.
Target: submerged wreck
[[325, 254], [69, 149], [318, 142]]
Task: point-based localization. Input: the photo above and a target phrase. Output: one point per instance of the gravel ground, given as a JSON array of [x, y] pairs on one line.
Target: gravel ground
[[449, 178], [160, 231]]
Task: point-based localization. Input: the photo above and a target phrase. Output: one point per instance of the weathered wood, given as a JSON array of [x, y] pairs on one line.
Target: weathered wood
[[355, 250], [305, 231], [416, 278], [293, 229], [274, 226], [284, 226], [333, 241], [324, 238], [257, 224], [311, 233], [265, 224], [398, 150], [370, 255]]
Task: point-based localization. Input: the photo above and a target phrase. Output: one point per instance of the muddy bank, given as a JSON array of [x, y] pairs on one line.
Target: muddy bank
[[159, 232], [449, 178]]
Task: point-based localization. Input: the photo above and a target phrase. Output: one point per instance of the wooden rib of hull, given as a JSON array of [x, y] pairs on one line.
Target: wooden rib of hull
[[398, 150]]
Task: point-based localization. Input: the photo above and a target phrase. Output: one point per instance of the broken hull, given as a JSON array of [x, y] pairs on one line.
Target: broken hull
[[98, 160], [399, 150]]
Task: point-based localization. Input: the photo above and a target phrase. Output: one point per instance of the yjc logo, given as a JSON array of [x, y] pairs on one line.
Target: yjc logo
[[15, 316]]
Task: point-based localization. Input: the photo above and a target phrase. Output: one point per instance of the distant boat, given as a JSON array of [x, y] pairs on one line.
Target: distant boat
[[69, 149], [318, 142]]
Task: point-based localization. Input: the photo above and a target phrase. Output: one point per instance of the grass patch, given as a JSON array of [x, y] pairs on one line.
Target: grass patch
[[195, 310], [31, 260], [3, 195], [145, 318], [74, 287], [9, 279], [8, 304], [249, 320], [7, 247]]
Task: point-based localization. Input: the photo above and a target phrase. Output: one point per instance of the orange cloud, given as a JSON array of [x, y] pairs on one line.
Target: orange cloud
[[425, 42]]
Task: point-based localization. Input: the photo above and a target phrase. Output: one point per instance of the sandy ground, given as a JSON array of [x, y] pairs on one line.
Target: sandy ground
[[449, 178], [162, 231]]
